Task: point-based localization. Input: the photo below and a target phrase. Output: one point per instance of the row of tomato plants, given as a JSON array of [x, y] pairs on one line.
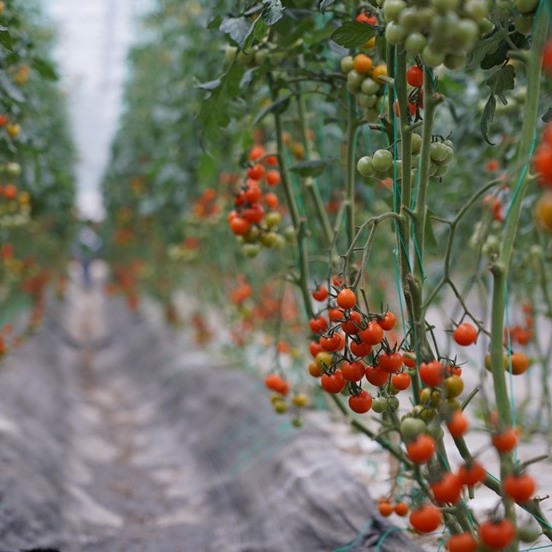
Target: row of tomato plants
[[36, 172], [386, 161]]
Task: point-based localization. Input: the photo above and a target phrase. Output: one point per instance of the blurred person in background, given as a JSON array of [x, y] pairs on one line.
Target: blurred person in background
[[87, 246]]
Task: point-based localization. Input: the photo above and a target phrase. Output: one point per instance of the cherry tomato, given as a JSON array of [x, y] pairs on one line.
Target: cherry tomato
[[465, 334], [353, 371], [346, 299], [448, 490], [497, 534], [471, 473], [463, 542], [376, 376], [274, 382], [519, 487], [388, 321], [431, 373], [320, 293], [415, 76], [426, 519], [360, 349], [390, 362], [422, 449], [401, 509], [458, 424], [385, 508], [333, 383], [505, 441], [372, 334], [401, 381], [360, 403]]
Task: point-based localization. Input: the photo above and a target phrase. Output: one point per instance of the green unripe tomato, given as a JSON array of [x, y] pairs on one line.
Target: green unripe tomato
[[230, 53], [526, 6], [430, 396], [415, 43], [529, 532], [245, 58], [261, 56], [273, 219], [449, 144], [435, 430], [442, 29], [297, 422], [438, 152], [433, 168], [280, 407], [491, 246], [410, 20], [365, 166], [392, 9], [382, 160], [371, 115], [393, 404], [486, 27], [426, 14], [524, 24], [12, 169], [432, 59], [476, 9], [411, 428], [394, 33], [252, 236], [367, 100], [464, 35], [416, 143], [269, 239], [346, 64], [379, 405], [289, 234], [251, 250], [455, 62], [354, 80], [369, 86], [444, 6], [441, 171]]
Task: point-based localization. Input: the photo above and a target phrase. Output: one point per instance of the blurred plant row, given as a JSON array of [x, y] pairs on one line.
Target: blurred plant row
[[369, 177], [36, 171]]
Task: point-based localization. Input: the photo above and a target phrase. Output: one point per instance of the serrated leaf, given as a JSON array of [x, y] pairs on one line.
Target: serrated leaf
[[483, 48], [547, 117], [277, 107], [502, 80], [5, 39], [352, 34], [325, 4], [497, 56], [272, 12], [311, 168], [487, 118]]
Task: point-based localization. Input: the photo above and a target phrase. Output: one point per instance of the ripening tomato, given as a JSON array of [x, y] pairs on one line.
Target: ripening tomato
[[239, 226], [415, 76], [431, 373], [363, 17], [271, 200], [376, 376], [372, 334], [256, 172], [465, 334], [426, 519], [505, 441], [346, 298], [315, 348], [401, 509], [448, 490], [253, 193], [276, 383], [519, 487], [542, 162], [385, 508], [353, 371], [458, 424], [472, 473], [497, 534], [422, 449], [333, 383], [273, 178], [401, 381], [331, 343], [320, 293], [256, 152], [463, 542], [318, 325], [390, 362], [547, 57], [352, 325], [388, 321], [360, 403], [360, 349], [520, 363], [362, 64]]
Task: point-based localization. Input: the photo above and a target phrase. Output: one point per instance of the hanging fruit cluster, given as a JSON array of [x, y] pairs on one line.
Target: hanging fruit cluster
[[542, 164], [256, 218]]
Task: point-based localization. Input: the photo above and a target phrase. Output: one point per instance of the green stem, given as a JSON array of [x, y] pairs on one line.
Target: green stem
[[501, 267], [350, 169]]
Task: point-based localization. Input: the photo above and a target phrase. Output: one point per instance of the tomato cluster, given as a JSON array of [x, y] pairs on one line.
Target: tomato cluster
[[364, 82], [256, 218], [441, 33]]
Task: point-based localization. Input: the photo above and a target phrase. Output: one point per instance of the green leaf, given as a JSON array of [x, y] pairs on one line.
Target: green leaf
[[215, 22], [325, 4], [502, 80], [352, 34], [5, 39], [317, 36], [279, 106], [45, 69], [483, 48], [10, 90], [547, 117], [237, 28], [272, 12], [312, 168], [487, 118]]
